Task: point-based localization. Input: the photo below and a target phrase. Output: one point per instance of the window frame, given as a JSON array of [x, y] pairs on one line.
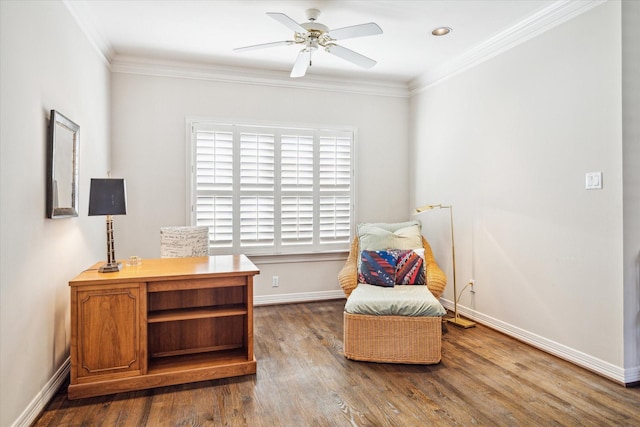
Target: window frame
[[278, 250]]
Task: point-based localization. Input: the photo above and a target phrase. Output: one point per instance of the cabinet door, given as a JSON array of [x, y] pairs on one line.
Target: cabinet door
[[108, 331]]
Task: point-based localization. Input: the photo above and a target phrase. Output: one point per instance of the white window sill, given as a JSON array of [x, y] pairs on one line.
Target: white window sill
[[295, 258]]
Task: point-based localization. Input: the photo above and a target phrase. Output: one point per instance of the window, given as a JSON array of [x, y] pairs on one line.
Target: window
[[272, 190]]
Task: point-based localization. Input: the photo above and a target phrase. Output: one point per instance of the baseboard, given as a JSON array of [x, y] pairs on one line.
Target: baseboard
[[632, 376], [300, 297], [41, 400], [623, 376]]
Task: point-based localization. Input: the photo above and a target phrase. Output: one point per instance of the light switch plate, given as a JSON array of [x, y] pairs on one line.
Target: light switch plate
[[593, 180]]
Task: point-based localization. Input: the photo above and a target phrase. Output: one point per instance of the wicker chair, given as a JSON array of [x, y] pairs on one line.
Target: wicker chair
[[392, 339]]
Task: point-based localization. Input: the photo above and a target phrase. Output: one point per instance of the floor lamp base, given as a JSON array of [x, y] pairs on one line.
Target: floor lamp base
[[461, 323]]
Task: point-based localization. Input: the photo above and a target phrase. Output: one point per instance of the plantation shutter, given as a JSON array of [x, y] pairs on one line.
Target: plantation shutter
[[270, 190], [335, 187], [257, 184], [297, 165], [214, 184]]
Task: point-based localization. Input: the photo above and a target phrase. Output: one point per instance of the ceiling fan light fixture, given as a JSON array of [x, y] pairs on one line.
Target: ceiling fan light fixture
[[441, 31]]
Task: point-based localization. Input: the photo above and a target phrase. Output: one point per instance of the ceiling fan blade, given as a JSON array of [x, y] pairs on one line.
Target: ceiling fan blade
[[287, 22], [370, 29], [302, 63], [351, 56], [263, 46]]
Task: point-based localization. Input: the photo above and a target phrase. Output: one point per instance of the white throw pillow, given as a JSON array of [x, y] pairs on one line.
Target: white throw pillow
[[373, 238]]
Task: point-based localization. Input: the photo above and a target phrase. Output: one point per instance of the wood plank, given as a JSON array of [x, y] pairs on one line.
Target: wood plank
[[161, 379], [162, 269], [196, 313], [181, 285], [197, 350], [228, 356]]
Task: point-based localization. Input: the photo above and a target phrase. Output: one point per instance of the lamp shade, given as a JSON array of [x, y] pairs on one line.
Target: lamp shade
[[107, 196]]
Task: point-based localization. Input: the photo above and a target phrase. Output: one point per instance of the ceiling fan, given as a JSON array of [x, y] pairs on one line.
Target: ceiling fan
[[312, 35]]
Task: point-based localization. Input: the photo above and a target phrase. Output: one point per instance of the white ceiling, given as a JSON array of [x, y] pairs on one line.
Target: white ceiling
[[207, 31]]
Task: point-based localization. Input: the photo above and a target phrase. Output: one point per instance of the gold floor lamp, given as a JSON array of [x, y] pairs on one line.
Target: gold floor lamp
[[456, 320]]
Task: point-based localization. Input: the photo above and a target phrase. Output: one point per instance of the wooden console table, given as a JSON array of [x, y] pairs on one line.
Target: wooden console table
[[167, 321]]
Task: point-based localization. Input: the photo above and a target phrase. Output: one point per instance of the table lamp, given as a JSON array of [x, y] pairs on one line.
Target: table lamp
[[456, 320], [108, 196]]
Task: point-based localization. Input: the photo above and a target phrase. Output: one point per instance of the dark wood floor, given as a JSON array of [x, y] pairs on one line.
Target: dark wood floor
[[485, 378]]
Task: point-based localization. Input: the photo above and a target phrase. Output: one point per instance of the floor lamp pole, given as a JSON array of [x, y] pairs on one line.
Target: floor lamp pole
[[456, 319], [453, 257], [463, 323]]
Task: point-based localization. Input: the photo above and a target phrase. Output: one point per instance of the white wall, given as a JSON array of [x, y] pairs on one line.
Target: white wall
[[45, 63], [508, 144], [149, 148]]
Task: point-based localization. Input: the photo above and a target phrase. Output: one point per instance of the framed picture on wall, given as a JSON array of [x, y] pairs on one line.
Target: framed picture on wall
[[62, 166]]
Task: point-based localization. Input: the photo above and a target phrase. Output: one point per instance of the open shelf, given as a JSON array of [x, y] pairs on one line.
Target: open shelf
[[190, 351], [196, 313], [197, 360]]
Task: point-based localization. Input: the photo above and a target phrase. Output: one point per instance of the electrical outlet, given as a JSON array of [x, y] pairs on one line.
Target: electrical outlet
[[275, 281], [471, 284]]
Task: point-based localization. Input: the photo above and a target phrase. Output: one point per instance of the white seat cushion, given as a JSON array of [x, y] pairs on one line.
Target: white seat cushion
[[401, 300]]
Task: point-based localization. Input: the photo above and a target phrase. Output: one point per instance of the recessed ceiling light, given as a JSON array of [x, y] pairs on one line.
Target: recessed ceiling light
[[441, 31]]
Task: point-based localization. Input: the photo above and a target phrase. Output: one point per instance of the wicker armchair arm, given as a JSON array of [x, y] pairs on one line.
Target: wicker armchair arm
[[348, 276], [436, 279]]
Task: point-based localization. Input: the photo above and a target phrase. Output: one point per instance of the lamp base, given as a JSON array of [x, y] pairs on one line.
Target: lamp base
[[461, 323], [110, 268]]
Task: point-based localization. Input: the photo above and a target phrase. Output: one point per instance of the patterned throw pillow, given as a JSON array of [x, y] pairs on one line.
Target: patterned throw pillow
[[378, 268], [409, 268]]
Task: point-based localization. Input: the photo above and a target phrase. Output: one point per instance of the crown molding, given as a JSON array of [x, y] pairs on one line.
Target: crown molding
[[205, 71], [542, 21], [98, 42]]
